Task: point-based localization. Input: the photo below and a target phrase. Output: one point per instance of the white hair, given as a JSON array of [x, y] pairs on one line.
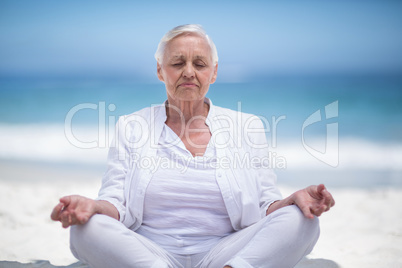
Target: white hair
[[182, 29]]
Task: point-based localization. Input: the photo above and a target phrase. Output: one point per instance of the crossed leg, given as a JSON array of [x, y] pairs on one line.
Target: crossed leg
[[280, 239]]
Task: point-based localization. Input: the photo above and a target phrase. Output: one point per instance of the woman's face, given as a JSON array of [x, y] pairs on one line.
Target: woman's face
[[187, 68]]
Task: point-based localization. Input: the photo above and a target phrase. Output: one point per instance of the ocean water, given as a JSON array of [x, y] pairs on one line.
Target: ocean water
[[322, 126]]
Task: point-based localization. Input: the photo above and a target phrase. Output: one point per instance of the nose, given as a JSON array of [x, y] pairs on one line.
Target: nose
[[188, 71]]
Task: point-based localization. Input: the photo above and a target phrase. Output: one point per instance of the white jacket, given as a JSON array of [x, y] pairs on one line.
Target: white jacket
[[243, 174]]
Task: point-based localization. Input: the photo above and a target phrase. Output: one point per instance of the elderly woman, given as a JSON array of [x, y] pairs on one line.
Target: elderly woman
[[188, 184]]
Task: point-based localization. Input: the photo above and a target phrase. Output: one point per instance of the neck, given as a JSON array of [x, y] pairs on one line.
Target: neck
[[184, 111]]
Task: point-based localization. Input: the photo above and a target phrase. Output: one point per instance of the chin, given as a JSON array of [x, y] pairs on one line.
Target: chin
[[189, 97]]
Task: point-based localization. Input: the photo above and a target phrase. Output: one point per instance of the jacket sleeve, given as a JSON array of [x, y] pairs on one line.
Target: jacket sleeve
[[266, 177], [112, 189]]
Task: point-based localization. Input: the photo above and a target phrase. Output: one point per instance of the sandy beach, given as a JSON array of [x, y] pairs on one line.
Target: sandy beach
[[364, 229], [324, 77]]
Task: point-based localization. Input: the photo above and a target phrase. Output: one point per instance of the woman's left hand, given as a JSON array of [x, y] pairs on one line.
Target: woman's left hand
[[313, 200]]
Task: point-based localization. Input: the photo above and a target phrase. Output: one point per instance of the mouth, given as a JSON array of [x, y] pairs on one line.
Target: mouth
[[189, 85]]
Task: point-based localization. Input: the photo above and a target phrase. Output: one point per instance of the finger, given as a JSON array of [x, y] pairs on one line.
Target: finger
[[307, 212], [65, 219], [55, 215], [66, 200], [315, 191], [332, 200], [76, 218], [316, 212], [83, 219], [329, 200], [320, 209], [321, 188]]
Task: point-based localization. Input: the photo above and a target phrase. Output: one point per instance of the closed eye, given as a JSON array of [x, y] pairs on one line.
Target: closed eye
[[200, 62]]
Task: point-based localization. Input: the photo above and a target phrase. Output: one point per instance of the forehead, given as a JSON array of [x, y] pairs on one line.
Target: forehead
[[188, 45]]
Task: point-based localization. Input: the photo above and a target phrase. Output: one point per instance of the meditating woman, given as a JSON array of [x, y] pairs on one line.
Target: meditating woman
[[188, 183]]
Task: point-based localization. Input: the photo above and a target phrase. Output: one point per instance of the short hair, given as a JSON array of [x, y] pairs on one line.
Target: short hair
[[183, 29]]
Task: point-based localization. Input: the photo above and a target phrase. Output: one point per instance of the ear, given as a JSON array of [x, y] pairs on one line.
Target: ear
[[159, 72], [213, 79]]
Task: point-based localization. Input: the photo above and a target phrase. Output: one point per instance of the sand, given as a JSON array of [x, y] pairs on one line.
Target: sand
[[364, 229]]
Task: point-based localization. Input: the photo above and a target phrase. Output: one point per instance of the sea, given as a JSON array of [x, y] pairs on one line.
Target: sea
[[343, 131]]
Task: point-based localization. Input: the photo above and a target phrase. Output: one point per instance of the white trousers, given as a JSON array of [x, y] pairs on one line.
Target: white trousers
[[280, 239]]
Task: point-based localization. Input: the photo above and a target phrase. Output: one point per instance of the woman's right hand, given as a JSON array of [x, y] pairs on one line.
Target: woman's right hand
[[74, 209]]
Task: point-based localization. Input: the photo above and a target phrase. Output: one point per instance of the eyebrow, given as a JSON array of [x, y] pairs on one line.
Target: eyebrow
[[182, 57]]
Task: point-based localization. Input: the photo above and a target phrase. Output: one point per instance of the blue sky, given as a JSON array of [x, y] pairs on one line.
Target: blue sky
[[254, 38]]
